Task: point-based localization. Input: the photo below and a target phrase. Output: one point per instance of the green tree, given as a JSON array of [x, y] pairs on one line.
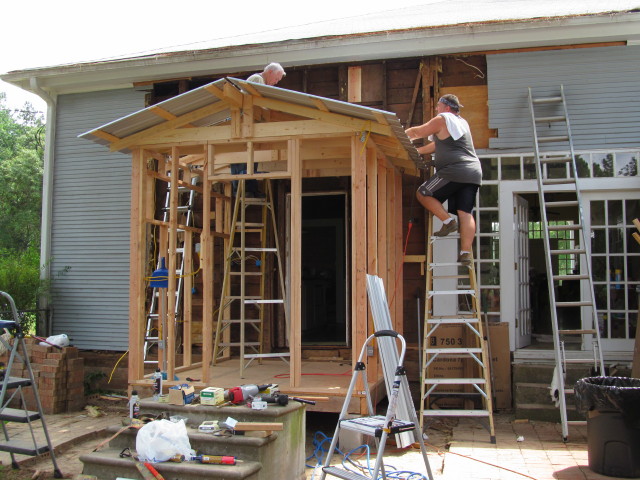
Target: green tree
[[21, 166]]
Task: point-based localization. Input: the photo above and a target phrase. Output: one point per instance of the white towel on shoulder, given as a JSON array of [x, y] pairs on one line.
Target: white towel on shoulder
[[456, 125]]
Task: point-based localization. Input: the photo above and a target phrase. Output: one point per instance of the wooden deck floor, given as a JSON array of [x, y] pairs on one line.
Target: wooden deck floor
[[319, 378]]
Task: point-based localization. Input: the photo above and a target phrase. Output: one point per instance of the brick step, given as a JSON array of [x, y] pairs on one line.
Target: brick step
[[107, 465]]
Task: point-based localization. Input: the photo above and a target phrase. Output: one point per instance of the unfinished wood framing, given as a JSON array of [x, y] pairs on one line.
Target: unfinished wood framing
[[286, 140]]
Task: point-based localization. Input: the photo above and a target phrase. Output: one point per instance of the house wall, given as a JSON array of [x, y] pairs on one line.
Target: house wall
[[601, 86], [90, 223]]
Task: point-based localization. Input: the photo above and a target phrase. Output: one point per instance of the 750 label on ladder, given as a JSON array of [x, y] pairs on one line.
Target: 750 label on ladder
[[445, 341]]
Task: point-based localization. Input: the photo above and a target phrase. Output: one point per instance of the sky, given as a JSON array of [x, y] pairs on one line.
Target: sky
[[45, 33]]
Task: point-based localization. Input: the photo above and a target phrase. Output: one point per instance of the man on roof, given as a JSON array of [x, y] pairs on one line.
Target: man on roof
[[271, 75], [458, 173]]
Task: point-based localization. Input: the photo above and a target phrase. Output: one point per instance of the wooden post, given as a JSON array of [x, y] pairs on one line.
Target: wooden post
[[295, 295], [358, 246], [187, 304], [137, 267], [372, 243], [206, 263], [170, 348]]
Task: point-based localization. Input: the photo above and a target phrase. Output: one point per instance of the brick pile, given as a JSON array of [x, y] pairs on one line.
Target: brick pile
[[59, 375]]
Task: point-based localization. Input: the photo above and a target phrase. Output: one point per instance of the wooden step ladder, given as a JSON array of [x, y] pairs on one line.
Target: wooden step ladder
[[242, 264], [13, 390], [155, 332], [454, 284], [567, 241]]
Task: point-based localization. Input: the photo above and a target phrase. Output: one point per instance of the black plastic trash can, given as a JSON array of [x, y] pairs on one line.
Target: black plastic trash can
[[612, 406]]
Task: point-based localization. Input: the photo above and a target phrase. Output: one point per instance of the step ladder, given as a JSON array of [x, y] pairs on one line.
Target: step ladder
[[452, 298], [244, 283], [13, 390], [376, 426], [155, 333], [550, 123]]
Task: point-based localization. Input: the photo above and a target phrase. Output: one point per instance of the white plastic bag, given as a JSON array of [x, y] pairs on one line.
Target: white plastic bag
[[160, 440], [61, 340]]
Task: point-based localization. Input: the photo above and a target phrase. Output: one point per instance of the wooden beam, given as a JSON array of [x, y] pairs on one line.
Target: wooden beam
[[295, 293], [137, 284], [162, 113], [372, 241], [355, 124], [354, 84], [172, 266], [397, 228], [105, 136], [232, 95], [320, 105], [138, 138], [187, 304]]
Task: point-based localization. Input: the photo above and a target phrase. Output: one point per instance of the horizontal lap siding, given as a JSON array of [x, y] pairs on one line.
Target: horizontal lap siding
[[602, 87], [90, 223]]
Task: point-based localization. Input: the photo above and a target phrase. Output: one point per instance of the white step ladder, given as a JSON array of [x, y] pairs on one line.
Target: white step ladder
[[377, 426], [18, 354], [550, 113], [155, 333], [473, 385], [242, 264]]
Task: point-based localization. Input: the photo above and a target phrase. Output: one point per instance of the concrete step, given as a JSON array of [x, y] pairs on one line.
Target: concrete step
[[239, 446], [108, 465], [528, 373]]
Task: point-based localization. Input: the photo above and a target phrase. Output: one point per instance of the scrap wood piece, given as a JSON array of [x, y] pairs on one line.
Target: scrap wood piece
[[256, 426], [104, 442], [148, 472]]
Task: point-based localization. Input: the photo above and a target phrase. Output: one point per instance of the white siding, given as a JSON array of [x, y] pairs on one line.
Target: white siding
[[90, 223], [602, 87]]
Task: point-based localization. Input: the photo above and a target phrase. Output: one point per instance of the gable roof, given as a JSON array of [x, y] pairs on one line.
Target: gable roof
[[207, 106]]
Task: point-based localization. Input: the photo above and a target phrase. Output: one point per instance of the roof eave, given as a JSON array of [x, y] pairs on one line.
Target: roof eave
[[107, 75]]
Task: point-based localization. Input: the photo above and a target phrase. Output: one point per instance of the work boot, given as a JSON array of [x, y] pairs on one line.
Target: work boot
[[447, 228], [465, 259]]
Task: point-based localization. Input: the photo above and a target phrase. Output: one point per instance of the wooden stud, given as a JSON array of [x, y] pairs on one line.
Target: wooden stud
[[187, 309], [137, 268], [372, 240], [396, 227], [295, 293], [383, 224], [354, 84], [172, 265], [358, 245], [232, 95], [206, 263]]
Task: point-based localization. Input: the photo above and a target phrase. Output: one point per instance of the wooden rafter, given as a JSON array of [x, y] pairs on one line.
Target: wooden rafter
[[138, 138]]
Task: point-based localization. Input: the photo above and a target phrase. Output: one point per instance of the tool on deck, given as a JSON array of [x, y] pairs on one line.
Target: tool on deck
[[215, 459], [282, 399], [239, 395]]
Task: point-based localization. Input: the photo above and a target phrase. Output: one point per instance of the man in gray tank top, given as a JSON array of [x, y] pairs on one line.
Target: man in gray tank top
[[458, 173]]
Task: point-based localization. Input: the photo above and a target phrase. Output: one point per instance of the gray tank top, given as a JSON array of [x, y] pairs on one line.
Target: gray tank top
[[456, 160]]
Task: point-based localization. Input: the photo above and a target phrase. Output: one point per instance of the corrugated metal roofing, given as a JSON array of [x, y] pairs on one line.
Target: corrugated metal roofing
[[200, 97], [433, 14]]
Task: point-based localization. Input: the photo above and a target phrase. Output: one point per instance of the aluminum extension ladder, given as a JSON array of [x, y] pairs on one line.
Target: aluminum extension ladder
[[243, 263], [36, 445], [550, 113], [377, 426], [468, 349], [155, 333]]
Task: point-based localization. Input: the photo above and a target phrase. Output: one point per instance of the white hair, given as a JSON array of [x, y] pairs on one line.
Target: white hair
[[275, 67]]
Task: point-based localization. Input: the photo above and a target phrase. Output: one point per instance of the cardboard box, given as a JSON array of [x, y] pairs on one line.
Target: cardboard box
[[212, 396], [446, 366], [500, 364], [181, 395]]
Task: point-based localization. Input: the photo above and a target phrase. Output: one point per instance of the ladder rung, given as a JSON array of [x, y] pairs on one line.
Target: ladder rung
[[455, 413], [573, 304], [237, 344], [551, 119], [579, 360], [453, 350], [570, 203], [239, 320], [245, 273], [246, 297], [263, 301], [577, 423], [23, 448], [556, 138], [451, 292], [454, 381], [542, 100], [449, 321], [577, 332], [555, 160], [577, 251], [575, 226], [344, 474], [267, 355], [442, 277], [15, 382], [558, 181], [571, 277], [18, 415]]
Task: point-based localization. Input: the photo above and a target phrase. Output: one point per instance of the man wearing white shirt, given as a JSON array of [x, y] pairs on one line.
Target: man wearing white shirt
[[271, 75], [458, 173]]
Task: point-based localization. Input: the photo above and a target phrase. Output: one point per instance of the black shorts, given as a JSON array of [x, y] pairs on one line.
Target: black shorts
[[461, 196]]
